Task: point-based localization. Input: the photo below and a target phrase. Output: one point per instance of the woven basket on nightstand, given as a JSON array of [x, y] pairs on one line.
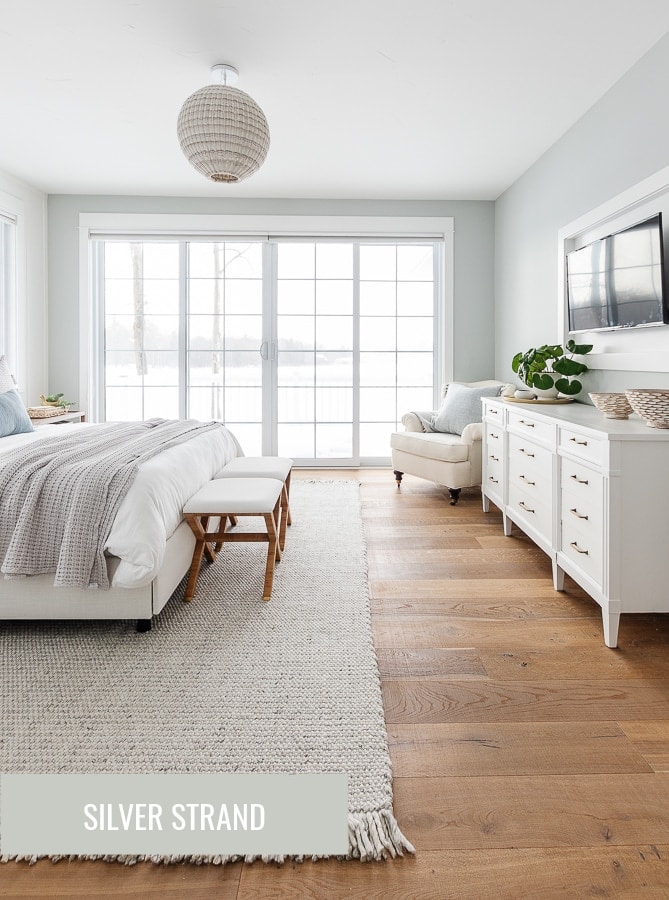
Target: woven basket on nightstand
[[45, 412]]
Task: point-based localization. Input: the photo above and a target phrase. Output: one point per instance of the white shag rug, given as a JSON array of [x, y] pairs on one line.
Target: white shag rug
[[226, 683]]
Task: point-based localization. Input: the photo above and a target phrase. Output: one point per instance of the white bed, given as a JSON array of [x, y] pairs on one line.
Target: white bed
[[149, 548]]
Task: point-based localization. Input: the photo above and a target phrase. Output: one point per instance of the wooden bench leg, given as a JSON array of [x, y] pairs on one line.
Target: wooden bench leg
[[210, 548], [286, 488], [233, 521], [276, 516], [284, 514], [273, 553], [200, 542]]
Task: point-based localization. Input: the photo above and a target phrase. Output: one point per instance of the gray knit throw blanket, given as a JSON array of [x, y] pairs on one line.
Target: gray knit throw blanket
[[59, 496]]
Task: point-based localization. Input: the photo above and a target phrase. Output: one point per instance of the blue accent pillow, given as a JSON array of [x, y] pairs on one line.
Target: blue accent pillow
[[461, 406], [13, 415]]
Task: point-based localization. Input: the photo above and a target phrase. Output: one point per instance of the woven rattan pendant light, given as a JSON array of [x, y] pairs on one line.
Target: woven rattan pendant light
[[222, 131]]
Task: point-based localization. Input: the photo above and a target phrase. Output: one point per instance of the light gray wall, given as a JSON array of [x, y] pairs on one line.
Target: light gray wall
[[620, 141], [473, 266]]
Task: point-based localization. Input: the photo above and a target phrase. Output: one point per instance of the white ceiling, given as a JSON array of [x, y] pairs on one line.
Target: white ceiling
[[418, 99]]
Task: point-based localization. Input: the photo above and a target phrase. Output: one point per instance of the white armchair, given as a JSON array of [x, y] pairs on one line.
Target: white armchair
[[451, 460]]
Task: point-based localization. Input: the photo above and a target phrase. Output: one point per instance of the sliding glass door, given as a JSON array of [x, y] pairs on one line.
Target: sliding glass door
[[308, 349], [224, 369], [315, 351]]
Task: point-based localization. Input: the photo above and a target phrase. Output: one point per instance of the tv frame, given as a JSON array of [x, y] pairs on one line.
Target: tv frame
[[663, 275]]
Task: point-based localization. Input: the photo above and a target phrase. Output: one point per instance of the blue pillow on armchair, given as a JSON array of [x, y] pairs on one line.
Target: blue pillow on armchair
[[13, 415], [461, 406]]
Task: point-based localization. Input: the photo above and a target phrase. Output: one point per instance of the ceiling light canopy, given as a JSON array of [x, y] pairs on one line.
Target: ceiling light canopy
[[222, 131]]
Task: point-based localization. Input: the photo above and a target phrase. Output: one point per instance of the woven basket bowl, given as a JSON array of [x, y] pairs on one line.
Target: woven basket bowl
[[45, 412], [614, 406], [652, 404]]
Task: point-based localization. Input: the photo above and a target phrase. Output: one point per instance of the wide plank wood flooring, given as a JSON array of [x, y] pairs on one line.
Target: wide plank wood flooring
[[530, 761]]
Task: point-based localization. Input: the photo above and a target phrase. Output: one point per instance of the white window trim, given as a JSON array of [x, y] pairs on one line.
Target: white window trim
[[268, 227], [15, 325]]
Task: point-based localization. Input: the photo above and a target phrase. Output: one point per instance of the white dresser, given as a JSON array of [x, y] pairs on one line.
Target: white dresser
[[593, 493]]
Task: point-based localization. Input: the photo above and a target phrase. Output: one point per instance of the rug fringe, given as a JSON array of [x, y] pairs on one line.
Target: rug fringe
[[376, 835], [371, 836]]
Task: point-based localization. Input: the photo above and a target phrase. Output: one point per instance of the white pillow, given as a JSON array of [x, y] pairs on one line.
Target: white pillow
[[461, 406], [6, 380]]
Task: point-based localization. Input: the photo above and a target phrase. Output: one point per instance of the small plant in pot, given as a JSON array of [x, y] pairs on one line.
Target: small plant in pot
[[552, 369]]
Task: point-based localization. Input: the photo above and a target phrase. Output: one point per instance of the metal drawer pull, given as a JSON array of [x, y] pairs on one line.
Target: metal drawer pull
[[578, 549], [578, 514], [533, 483], [495, 458], [496, 436], [526, 424], [526, 508], [494, 480], [526, 452], [580, 443], [579, 480]]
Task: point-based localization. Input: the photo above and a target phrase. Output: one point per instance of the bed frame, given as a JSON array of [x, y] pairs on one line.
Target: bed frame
[[35, 597]]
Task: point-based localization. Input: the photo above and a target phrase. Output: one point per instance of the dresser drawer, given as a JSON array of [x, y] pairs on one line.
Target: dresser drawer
[[524, 507], [530, 460], [493, 478], [583, 547], [584, 513], [494, 438], [494, 453], [493, 413], [493, 466], [581, 445], [534, 429], [583, 485]]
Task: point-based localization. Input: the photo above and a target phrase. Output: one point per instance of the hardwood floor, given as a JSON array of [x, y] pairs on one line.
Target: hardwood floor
[[530, 761]]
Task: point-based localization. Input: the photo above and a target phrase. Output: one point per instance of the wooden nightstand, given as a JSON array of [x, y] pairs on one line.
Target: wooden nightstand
[[78, 416]]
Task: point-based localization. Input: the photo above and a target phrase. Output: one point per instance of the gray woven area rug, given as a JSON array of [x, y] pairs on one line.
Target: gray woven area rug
[[224, 684]]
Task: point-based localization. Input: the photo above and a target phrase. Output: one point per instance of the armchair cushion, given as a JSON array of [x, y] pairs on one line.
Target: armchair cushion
[[445, 447], [461, 406]]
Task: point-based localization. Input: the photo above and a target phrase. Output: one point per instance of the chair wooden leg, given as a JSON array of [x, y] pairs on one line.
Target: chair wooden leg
[[271, 555]]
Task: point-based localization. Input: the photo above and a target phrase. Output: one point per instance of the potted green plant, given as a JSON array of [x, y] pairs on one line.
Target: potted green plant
[[57, 400], [552, 368]]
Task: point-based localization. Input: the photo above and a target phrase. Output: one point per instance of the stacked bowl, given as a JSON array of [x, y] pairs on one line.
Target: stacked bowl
[[614, 406], [652, 404]]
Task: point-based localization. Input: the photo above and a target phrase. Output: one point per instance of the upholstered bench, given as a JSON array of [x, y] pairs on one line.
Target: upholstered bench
[[278, 467], [222, 499]]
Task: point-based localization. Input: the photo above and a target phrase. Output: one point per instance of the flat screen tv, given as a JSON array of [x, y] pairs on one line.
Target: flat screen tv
[[618, 281]]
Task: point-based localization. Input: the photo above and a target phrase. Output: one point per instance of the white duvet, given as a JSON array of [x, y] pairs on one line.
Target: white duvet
[[152, 509]]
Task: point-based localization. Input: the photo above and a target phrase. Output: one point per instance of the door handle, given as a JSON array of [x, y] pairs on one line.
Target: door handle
[[264, 350]]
